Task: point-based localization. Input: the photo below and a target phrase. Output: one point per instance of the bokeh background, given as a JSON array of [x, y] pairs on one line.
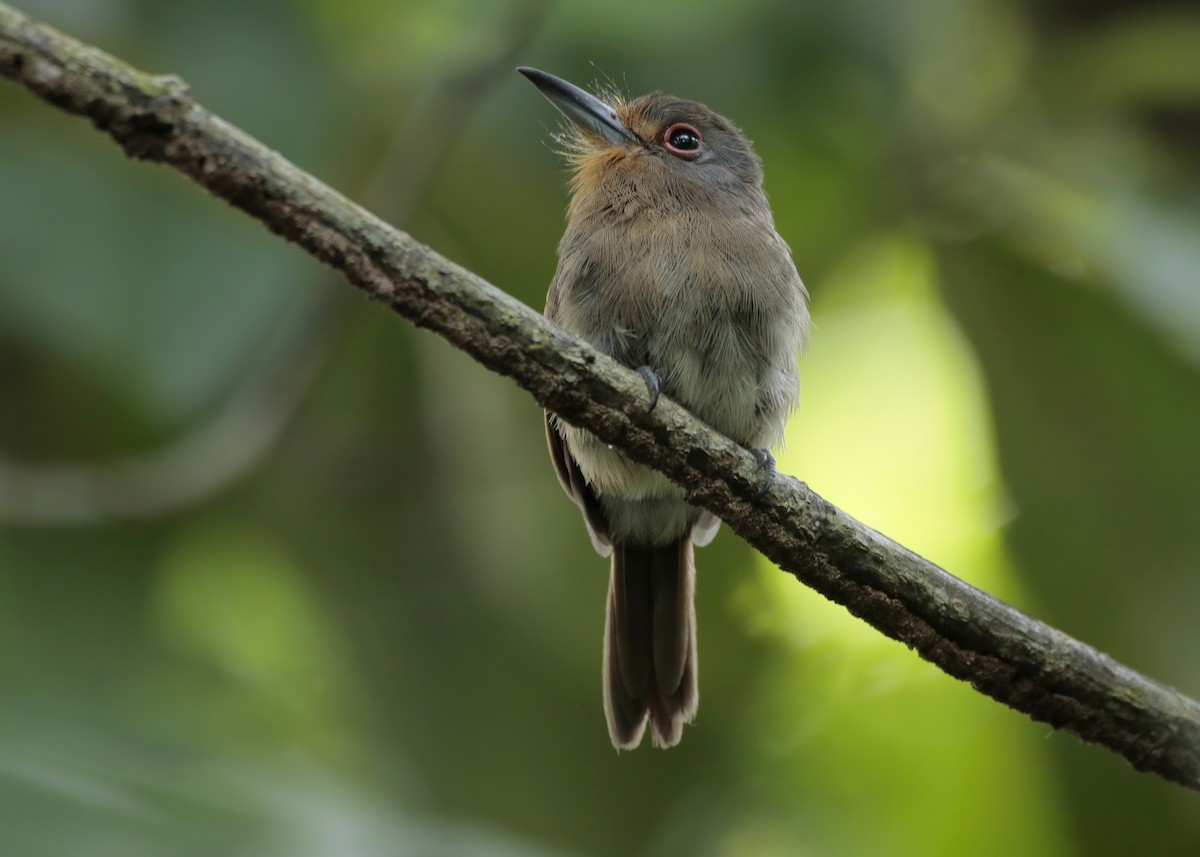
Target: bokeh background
[[282, 575]]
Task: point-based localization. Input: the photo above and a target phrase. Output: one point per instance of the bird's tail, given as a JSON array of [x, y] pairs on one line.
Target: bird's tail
[[650, 644]]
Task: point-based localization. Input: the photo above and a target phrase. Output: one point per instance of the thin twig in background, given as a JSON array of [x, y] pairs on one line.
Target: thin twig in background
[[226, 444]]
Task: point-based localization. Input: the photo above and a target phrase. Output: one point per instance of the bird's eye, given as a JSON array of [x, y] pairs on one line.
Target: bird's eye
[[683, 140]]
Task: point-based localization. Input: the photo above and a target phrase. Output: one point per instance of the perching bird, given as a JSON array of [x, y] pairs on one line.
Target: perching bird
[[670, 264]]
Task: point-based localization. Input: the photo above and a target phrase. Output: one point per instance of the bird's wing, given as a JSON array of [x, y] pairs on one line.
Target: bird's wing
[[572, 480]]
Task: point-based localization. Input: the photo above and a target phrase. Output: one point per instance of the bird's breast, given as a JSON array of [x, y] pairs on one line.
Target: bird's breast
[[700, 300]]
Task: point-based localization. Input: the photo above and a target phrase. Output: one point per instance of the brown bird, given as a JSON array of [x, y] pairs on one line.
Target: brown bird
[[670, 264]]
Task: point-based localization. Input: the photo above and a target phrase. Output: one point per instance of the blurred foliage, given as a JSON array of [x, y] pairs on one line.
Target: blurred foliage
[[368, 623]]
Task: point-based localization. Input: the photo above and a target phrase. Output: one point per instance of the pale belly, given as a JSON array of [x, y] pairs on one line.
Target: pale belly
[[640, 504]]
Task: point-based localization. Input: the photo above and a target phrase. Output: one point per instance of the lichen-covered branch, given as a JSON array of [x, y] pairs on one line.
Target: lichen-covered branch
[[1014, 659], [218, 449]]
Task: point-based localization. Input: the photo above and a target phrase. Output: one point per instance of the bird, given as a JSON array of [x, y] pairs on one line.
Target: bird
[[671, 264]]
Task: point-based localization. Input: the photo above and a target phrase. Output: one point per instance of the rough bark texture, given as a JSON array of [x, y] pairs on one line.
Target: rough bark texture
[[1003, 653]]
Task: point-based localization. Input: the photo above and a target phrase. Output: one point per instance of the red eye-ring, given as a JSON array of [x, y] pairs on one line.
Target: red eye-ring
[[682, 140]]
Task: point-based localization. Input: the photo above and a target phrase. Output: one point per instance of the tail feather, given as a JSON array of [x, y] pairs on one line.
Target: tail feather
[[671, 591], [626, 713], [650, 644], [632, 620]]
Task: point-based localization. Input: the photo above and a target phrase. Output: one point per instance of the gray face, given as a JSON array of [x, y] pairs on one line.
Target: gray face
[[697, 146], [694, 140]]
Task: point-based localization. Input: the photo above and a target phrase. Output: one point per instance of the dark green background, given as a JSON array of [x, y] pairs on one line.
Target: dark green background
[[280, 575]]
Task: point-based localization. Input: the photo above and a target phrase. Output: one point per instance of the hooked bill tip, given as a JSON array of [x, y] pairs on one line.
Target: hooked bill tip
[[581, 107]]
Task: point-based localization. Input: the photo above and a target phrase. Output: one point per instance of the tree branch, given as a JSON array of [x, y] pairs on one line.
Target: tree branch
[[1014, 659], [226, 444]]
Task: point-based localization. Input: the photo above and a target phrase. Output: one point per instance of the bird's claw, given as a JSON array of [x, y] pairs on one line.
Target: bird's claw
[[766, 462], [653, 384]]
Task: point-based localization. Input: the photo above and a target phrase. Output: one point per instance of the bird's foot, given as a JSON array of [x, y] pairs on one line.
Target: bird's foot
[[653, 384], [766, 462]]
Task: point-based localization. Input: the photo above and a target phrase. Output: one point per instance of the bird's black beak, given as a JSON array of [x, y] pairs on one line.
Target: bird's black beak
[[584, 109]]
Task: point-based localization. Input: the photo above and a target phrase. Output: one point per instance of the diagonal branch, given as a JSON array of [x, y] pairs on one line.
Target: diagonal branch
[[1003, 653], [229, 442]]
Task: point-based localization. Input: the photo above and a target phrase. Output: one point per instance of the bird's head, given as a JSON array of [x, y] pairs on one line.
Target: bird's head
[[694, 154]]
